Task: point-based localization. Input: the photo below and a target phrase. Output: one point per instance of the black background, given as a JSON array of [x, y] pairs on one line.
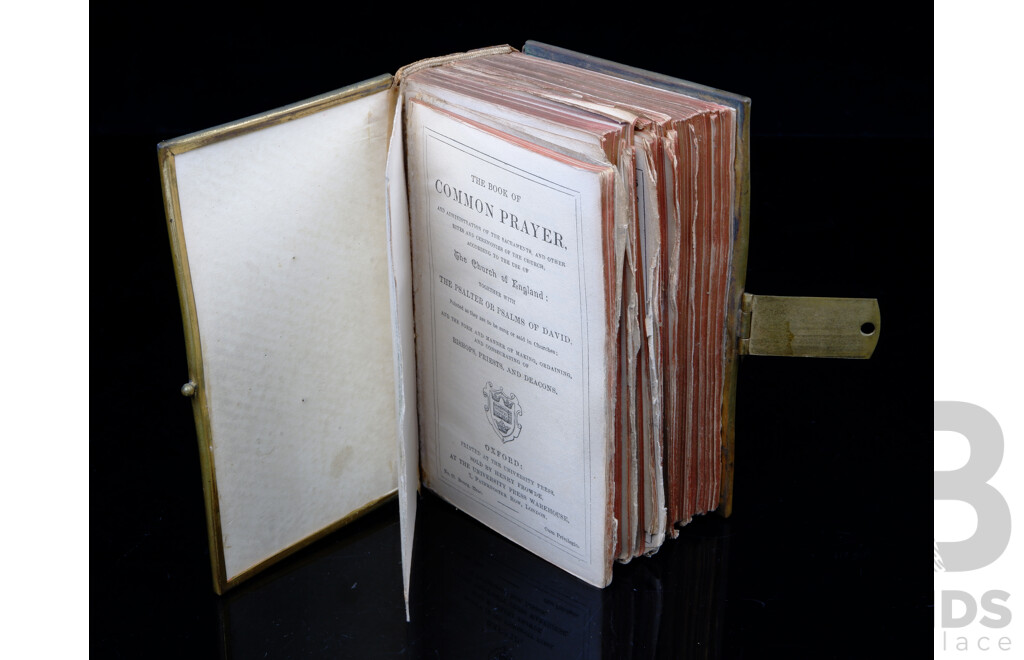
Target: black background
[[826, 553]]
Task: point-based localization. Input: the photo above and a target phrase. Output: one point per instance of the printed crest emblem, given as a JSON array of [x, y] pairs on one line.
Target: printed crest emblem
[[503, 411]]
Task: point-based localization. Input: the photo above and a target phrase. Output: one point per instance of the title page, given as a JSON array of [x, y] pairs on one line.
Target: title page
[[511, 314]]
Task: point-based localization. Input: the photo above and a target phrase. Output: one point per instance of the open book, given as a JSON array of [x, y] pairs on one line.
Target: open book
[[515, 279]]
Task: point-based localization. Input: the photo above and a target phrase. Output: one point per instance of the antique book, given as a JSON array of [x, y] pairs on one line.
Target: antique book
[[513, 278]]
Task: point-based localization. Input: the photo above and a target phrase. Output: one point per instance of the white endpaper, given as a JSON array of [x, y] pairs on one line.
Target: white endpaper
[[286, 251]]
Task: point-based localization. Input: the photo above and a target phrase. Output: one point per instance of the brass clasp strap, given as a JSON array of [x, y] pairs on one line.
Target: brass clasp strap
[[809, 327]]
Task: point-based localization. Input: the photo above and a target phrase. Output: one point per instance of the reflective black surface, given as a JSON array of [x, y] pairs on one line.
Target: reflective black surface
[[477, 595], [823, 555]]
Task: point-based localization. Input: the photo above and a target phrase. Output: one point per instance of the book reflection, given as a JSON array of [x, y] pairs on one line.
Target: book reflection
[[475, 594], [478, 595]]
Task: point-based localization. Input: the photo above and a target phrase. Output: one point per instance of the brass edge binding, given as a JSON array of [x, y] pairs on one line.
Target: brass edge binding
[[166, 151], [193, 351], [738, 279]]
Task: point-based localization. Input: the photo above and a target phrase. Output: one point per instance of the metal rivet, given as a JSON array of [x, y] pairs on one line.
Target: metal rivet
[[188, 389]]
